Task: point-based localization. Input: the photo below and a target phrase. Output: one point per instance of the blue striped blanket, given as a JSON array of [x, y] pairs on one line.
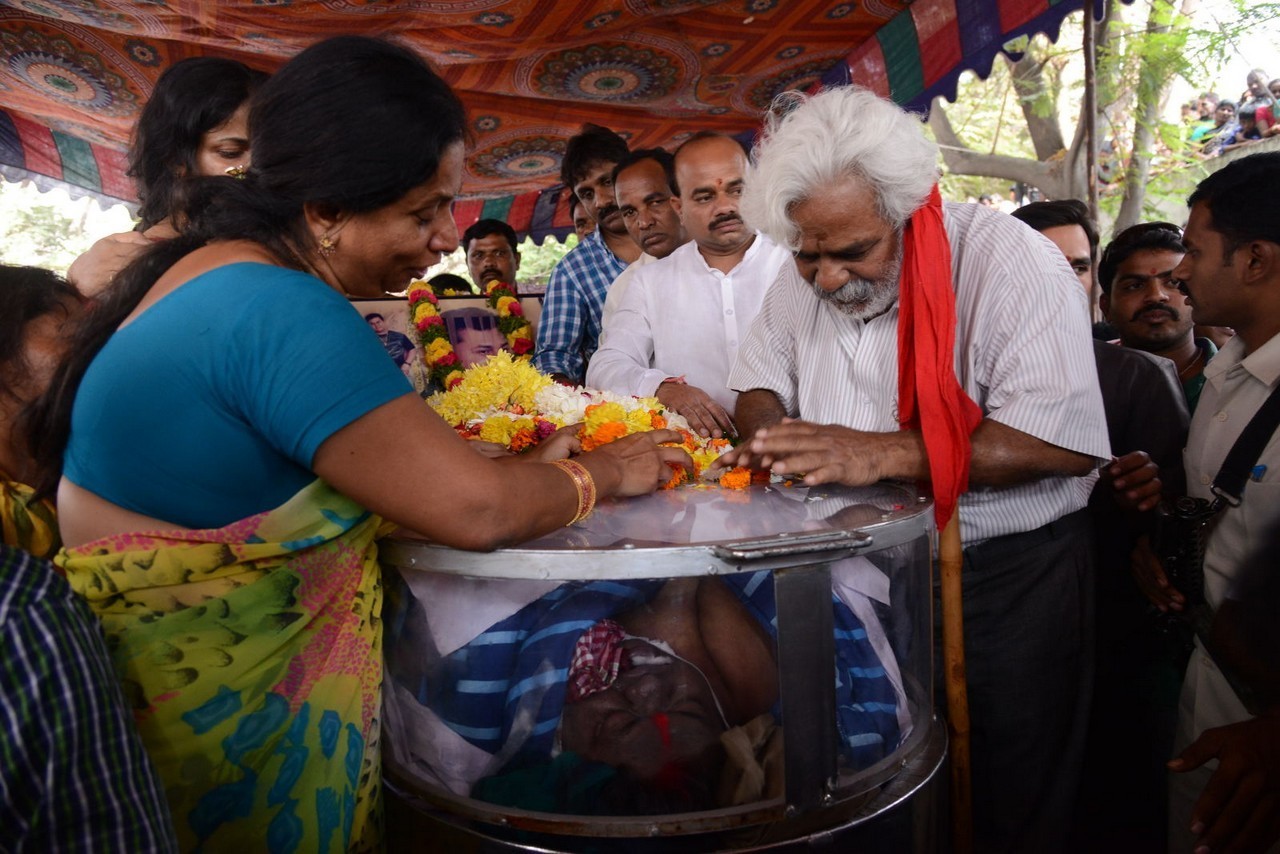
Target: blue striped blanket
[[504, 690]]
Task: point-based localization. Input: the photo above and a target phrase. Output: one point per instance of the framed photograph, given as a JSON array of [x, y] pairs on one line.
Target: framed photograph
[[530, 305], [470, 322], [389, 320]]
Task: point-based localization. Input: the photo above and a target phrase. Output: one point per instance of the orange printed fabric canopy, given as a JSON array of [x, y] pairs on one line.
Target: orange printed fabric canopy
[[75, 73]]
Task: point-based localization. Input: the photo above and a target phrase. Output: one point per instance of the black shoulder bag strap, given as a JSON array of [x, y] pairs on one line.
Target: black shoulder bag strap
[[1228, 489], [1228, 486]]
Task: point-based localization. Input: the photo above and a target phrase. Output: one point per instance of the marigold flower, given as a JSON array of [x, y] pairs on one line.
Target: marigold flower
[[736, 478], [678, 476], [602, 434], [438, 349], [523, 439], [600, 413], [424, 310], [503, 430]]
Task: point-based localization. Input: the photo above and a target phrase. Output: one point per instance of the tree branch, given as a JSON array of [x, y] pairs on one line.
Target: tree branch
[[963, 160]]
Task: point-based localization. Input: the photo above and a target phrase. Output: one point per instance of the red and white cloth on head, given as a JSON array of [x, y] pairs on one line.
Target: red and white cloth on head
[[598, 658]]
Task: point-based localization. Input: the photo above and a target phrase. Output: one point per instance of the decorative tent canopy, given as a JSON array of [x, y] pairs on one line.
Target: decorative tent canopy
[[75, 73]]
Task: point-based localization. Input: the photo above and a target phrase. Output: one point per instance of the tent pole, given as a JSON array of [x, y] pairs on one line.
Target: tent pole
[[1091, 130]]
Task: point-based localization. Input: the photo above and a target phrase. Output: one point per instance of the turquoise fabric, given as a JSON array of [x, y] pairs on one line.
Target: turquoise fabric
[[210, 405]]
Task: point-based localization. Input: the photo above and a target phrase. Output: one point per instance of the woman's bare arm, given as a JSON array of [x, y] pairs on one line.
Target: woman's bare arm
[[403, 462]]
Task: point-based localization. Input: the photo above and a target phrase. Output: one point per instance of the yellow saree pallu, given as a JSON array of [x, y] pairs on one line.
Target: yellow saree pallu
[[252, 657], [25, 523]]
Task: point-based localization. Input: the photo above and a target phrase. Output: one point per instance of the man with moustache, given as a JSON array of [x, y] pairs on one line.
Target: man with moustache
[[1141, 299], [569, 326], [644, 185], [1231, 276], [856, 338], [680, 322], [490, 248], [1124, 791], [1145, 411]]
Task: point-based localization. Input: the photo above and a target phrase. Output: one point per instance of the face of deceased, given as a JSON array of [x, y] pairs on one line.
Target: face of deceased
[[655, 713], [474, 346]]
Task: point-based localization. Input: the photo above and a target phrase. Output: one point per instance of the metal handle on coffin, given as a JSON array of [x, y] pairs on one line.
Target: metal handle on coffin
[[793, 544]]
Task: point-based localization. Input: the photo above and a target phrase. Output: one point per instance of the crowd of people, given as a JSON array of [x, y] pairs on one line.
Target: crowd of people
[[1216, 125], [214, 493]]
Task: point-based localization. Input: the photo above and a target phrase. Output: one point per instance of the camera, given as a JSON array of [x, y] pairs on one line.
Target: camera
[[1182, 528]]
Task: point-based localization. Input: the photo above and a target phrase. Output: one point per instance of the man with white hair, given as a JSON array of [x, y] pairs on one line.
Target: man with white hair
[[903, 326]]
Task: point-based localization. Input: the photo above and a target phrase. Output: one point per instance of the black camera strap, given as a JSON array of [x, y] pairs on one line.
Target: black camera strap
[[1228, 486], [1228, 489]]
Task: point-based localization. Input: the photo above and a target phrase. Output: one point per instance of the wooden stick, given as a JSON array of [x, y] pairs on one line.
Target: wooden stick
[[950, 565]]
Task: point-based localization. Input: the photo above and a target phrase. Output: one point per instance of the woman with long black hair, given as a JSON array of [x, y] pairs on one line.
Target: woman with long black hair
[[233, 438], [195, 124]]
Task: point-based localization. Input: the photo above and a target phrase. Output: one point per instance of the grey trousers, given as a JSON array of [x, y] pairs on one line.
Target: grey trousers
[[1028, 602]]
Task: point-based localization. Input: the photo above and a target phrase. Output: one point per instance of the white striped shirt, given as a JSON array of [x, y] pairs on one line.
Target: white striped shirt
[[1023, 354], [681, 317]]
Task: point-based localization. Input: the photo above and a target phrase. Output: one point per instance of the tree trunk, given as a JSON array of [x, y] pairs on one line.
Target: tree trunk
[[1039, 105], [1154, 76]]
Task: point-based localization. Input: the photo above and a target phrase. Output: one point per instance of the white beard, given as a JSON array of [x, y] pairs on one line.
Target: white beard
[[863, 299]]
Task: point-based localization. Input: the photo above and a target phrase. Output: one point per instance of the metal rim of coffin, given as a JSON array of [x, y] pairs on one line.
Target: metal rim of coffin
[[573, 557]]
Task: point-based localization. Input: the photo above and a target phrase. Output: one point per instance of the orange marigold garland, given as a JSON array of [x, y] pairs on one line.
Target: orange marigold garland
[[433, 338], [509, 402], [511, 320], [611, 420]]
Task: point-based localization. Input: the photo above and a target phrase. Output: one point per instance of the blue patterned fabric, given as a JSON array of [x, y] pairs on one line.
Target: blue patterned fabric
[[511, 679], [866, 702], [569, 326]]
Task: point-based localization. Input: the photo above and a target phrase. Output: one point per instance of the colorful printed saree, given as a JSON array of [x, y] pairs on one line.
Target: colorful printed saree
[[26, 524], [252, 657]]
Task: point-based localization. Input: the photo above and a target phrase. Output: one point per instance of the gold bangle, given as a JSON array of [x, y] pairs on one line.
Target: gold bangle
[[583, 484]]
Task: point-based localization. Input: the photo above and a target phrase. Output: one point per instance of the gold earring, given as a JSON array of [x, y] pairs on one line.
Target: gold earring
[[328, 246]]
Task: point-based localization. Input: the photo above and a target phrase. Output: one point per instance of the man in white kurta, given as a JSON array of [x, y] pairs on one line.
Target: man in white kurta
[[679, 325], [681, 317]]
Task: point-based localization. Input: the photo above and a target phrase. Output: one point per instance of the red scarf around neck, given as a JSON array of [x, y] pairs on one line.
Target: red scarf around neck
[[929, 395]]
